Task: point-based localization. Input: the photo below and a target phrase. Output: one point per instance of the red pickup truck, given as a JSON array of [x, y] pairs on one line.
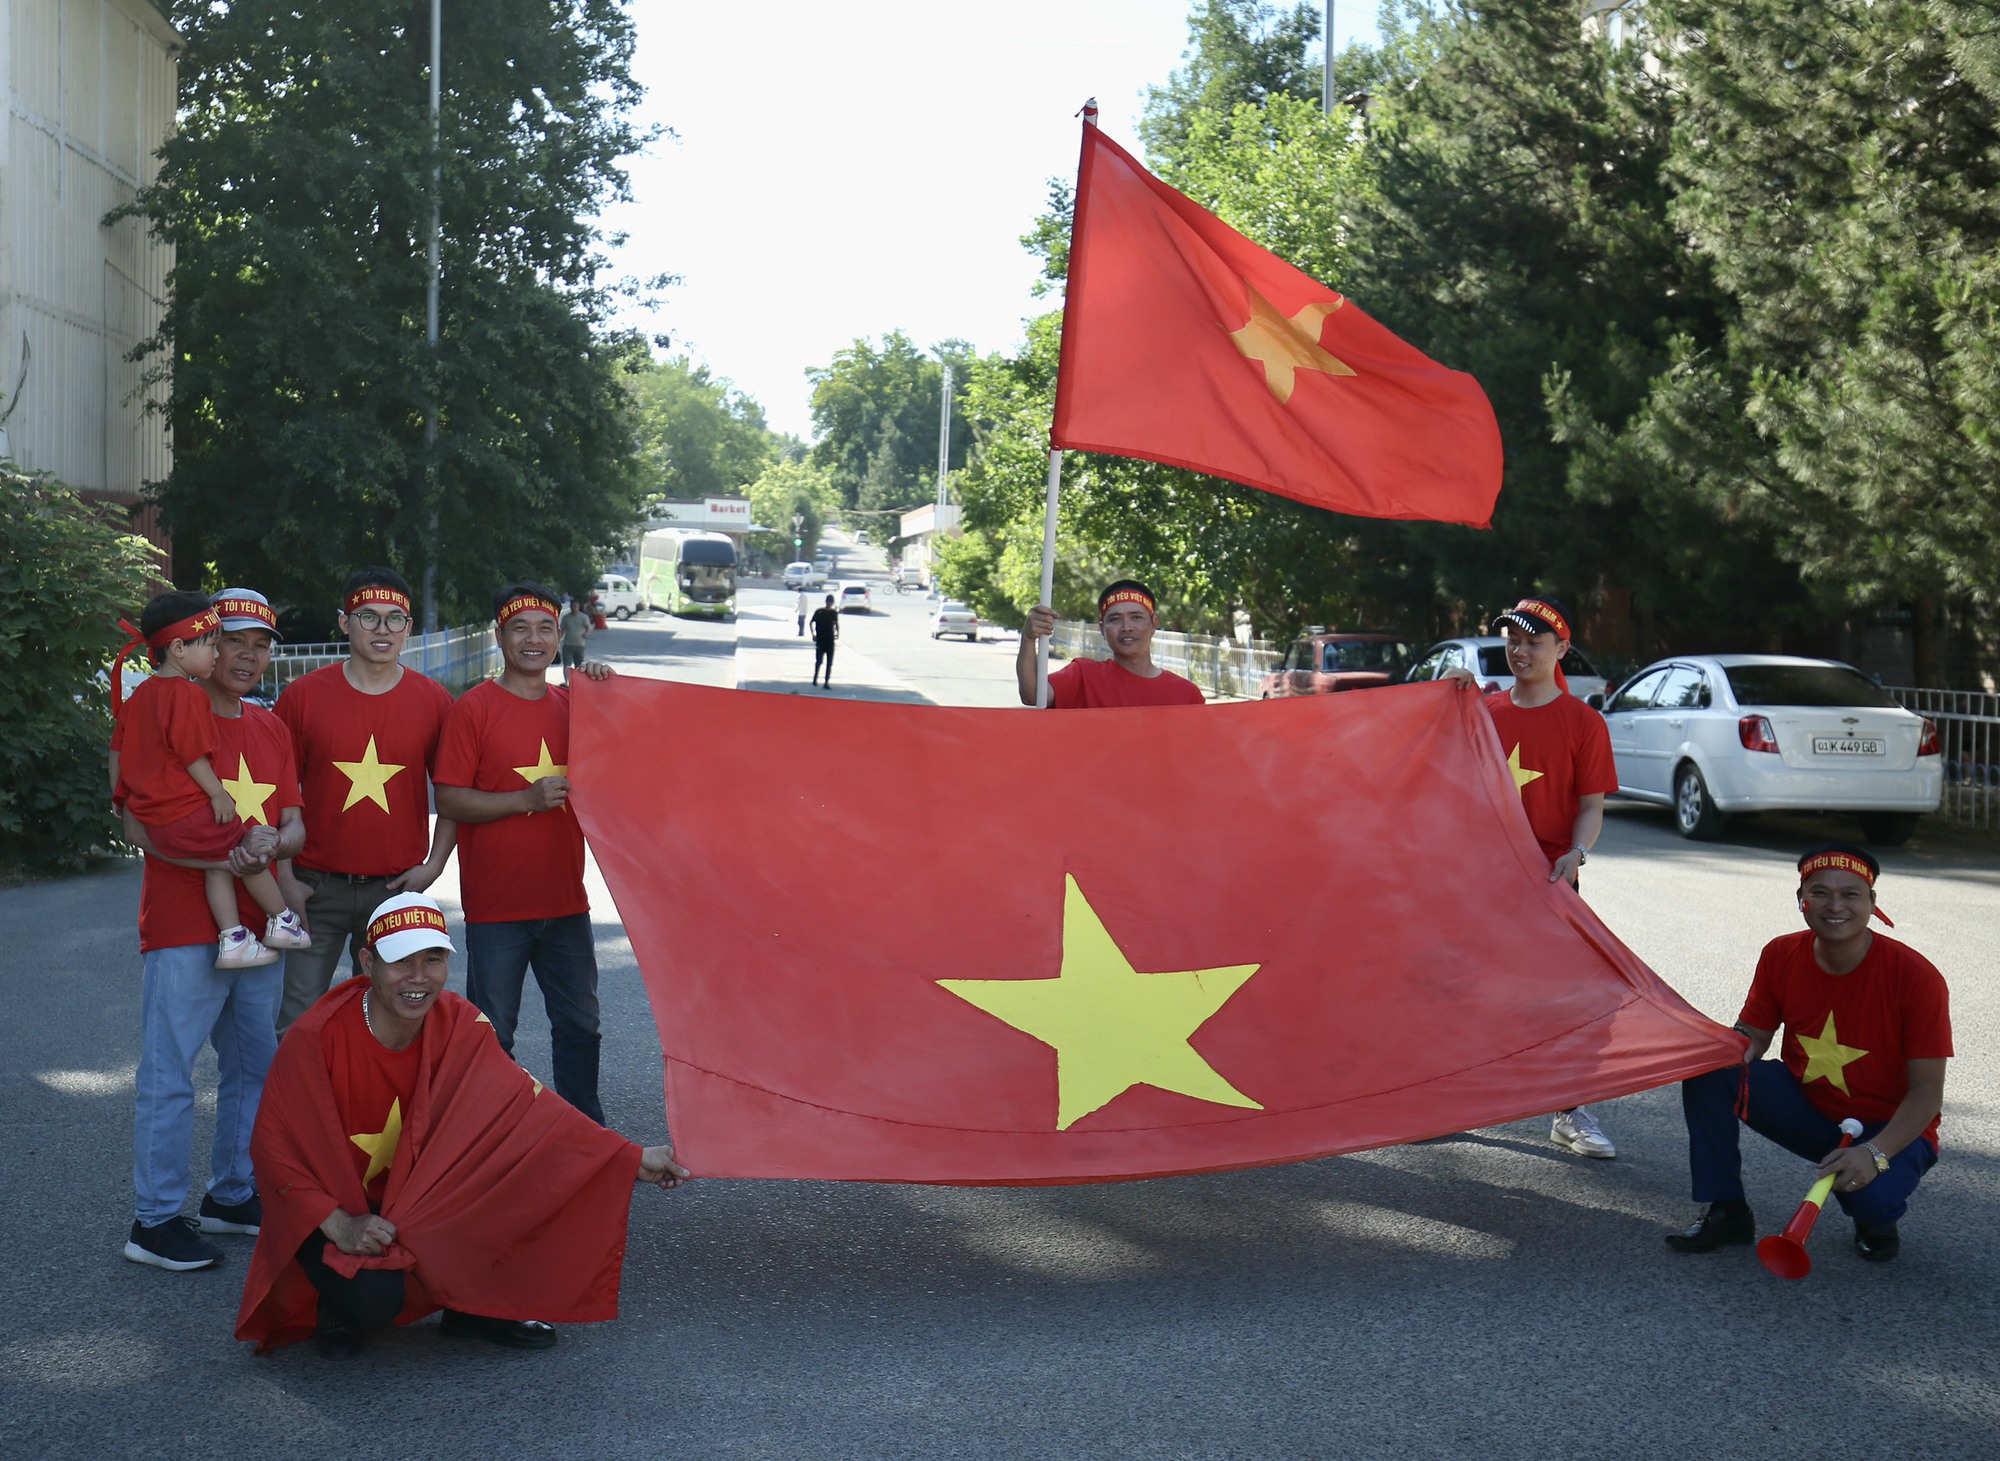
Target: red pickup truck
[[1325, 663]]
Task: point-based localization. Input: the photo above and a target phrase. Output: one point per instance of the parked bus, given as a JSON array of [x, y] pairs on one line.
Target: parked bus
[[687, 572]]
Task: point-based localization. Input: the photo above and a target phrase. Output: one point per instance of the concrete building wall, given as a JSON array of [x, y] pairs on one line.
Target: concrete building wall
[[88, 89]]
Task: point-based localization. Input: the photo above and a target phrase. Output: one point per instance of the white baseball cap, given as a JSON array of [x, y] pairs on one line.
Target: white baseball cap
[[406, 923]]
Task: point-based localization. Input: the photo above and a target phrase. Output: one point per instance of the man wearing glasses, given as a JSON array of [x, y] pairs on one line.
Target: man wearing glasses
[[366, 735]]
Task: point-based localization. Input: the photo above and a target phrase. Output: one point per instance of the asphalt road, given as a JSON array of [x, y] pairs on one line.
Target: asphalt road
[[1482, 1295]]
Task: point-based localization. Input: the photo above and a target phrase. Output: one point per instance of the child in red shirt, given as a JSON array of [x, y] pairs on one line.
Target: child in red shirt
[[160, 749]]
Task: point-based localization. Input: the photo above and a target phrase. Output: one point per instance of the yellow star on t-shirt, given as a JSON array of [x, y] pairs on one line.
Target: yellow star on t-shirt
[[1522, 776], [381, 1145], [543, 767], [1826, 1058], [367, 779], [1112, 1027], [248, 793]]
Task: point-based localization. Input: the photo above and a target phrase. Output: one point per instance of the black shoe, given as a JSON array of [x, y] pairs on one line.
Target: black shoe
[[240, 1217], [1877, 1245], [336, 1341], [1715, 1229], [508, 1333], [172, 1245]]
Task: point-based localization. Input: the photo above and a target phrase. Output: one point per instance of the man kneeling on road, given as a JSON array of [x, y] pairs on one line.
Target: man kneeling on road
[[407, 1164], [1867, 1024], [1126, 617]]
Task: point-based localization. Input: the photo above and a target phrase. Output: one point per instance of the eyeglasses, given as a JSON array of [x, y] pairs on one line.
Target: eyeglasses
[[395, 621]]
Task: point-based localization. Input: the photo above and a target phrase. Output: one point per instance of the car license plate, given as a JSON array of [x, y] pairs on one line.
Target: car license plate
[[1846, 746]]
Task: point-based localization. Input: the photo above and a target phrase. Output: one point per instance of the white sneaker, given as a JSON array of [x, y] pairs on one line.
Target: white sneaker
[[1577, 1131], [284, 931], [238, 949]]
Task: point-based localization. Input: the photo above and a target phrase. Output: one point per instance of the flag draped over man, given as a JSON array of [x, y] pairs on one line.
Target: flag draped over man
[[1185, 343], [1071, 948]]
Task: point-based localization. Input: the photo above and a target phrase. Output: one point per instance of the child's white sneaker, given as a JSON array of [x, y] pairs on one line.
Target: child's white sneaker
[[238, 949], [284, 931]]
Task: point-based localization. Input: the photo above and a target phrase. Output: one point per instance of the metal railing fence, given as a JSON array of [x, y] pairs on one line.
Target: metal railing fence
[[1968, 729], [1219, 666], [457, 658]]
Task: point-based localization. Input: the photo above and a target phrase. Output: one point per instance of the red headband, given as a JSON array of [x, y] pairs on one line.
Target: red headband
[[1842, 862], [247, 609], [1127, 596], [524, 604], [376, 593], [195, 626], [403, 920]]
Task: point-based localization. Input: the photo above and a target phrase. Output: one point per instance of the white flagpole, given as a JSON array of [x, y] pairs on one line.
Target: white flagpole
[[1048, 576]]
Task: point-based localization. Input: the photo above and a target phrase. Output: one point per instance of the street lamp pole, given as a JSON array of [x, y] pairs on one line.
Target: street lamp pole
[[433, 548], [944, 436], [1326, 66]]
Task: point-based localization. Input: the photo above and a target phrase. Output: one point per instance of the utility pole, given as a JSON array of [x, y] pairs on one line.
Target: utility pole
[[433, 548], [1326, 65], [944, 437]]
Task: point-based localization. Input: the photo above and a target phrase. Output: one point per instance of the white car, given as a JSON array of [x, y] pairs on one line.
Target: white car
[[1712, 735], [803, 575], [619, 597], [853, 598], [952, 617], [1486, 657]]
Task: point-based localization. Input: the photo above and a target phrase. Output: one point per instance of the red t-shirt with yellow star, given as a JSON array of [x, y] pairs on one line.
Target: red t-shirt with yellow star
[[372, 1089], [1559, 753], [365, 764], [1847, 1036], [253, 757], [529, 865], [1102, 684]]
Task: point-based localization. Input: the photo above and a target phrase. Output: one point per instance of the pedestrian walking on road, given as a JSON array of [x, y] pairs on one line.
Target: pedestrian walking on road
[[503, 776], [365, 732], [1867, 1024], [802, 608], [1127, 616], [826, 633], [575, 625], [188, 1001]]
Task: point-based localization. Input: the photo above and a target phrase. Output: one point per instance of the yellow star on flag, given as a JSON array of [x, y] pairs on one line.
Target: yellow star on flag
[[367, 779], [1112, 1027], [1285, 347], [1826, 1058], [543, 767], [381, 1145], [248, 793], [1522, 776]]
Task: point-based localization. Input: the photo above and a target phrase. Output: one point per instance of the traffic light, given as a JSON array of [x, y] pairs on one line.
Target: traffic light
[[798, 542]]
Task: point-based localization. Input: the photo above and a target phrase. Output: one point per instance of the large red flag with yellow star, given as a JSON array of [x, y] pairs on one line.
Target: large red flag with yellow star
[[907, 943], [1185, 343]]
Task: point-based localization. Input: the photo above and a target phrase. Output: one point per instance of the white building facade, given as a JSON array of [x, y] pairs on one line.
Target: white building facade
[[89, 90]]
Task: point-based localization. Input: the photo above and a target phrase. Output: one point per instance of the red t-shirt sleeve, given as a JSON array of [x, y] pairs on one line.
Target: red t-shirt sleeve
[[1761, 1007], [187, 725], [445, 704], [1066, 686], [458, 745], [1926, 1013], [1596, 771]]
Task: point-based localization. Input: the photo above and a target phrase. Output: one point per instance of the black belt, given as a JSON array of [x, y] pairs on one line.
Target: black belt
[[349, 877]]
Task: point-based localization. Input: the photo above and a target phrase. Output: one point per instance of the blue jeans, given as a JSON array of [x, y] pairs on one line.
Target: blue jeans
[[1778, 1109], [564, 957], [188, 1000]]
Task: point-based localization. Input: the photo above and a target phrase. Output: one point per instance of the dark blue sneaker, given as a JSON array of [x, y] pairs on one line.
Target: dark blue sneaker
[[173, 1245], [240, 1217]]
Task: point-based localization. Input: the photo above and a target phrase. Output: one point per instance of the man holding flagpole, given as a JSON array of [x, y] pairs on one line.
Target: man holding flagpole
[[1127, 615]]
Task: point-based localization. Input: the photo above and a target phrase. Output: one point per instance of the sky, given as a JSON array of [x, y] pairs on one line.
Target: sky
[[841, 171]]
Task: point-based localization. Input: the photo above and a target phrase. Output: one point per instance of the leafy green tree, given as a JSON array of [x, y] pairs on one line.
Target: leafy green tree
[[784, 491], [68, 572], [867, 396], [1240, 52], [296, 193], [698, 435], [1838, 169]]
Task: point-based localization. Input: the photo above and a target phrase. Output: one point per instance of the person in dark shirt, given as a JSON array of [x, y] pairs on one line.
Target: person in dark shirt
[[826, 632]]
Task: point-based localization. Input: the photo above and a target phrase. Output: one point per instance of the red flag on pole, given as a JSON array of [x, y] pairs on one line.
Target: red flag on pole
[[980, 946], [1185, 343]]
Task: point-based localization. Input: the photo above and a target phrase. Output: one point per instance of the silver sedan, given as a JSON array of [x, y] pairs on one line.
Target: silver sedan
[[1713, 735]]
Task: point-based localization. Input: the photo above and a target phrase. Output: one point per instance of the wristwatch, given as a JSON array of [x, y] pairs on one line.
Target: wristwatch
[[1881, 1162], [1582, 854]]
